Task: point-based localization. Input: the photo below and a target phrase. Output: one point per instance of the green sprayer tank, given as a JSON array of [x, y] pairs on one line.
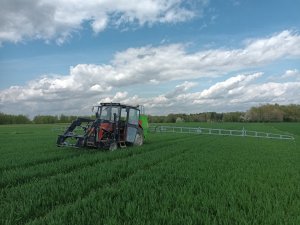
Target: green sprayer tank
[[145, 125]]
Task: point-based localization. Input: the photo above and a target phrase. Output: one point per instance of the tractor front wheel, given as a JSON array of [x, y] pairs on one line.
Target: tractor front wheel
[[113, 146]]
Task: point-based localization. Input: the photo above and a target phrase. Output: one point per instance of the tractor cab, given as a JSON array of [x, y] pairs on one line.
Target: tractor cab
[[124, 117], [115, 125]]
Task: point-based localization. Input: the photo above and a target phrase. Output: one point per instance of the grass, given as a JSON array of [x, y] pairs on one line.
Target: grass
[[171, 179]]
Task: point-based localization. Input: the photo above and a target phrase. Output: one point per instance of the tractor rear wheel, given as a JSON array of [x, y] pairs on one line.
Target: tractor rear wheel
[[139, 139]]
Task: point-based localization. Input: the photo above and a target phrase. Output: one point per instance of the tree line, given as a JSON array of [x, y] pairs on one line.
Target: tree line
[[263, 113], [39, 119]]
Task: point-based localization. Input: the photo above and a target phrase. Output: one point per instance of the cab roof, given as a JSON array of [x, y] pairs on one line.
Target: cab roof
[[119, 104]]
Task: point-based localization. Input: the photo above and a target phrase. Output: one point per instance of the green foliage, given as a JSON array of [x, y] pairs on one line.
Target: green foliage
[[274, 113], [39, 119], [13, 119], [171, 179], [233, 117], [46, 119], [264, 113], [68, 119], [198, 117]]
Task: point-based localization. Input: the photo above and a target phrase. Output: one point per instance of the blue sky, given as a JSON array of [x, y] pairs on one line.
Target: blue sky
[[170, 55]]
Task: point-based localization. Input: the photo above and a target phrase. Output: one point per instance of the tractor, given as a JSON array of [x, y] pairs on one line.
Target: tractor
[[115, 125]]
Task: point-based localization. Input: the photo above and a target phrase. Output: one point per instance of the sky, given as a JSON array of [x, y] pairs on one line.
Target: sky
[[172, 56]]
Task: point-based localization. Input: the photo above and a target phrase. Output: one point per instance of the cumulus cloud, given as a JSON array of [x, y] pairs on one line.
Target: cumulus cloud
[[181, 88], [292, 74], [161, 100], [58, 19], [87, 83], [241, 89], [170, 62], [239, 92], [174, 62], [236, 93]]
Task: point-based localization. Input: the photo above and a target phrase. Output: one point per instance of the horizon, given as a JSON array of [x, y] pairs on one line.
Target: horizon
[[153, 115]]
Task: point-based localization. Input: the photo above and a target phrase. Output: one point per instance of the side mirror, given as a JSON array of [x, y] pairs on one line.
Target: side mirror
[[93, 108]]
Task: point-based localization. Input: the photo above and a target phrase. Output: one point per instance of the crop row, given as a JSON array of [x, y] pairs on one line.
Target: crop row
[[43, 170], [32, 151], [37, 198], [215, 183], [172, 179]]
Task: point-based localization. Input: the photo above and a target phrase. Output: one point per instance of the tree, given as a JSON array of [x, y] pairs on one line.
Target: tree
[[13, 119], [233, 117], [45, 119]]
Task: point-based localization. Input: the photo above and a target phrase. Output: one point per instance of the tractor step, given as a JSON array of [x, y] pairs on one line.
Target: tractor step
[[90, 144], [122, 144]]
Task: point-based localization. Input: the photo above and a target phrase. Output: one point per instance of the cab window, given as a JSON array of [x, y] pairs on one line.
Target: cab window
[[105, 113], [133, 117], [108, 113]]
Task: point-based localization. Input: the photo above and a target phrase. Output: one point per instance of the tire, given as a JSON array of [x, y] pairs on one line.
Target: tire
[[113, 146], [79, 143], [139, 139], [59, 141]]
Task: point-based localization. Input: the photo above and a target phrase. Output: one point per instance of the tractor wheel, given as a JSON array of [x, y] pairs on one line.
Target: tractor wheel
[[60, 141], [139, 140], [113, 146], [79, 143]]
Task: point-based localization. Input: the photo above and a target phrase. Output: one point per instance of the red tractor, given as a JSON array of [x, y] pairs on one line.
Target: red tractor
[[115, 125]]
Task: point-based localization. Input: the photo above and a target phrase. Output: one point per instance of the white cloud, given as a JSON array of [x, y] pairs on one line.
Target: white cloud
[[229, 87], [239, 92], [58, 19], [244, 93], [173, 62], [236, 93], [180, 89], [292, 74], [86, 84], [118, 97]]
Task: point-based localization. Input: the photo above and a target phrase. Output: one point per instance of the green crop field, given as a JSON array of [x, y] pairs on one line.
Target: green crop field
[[171, 179]]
